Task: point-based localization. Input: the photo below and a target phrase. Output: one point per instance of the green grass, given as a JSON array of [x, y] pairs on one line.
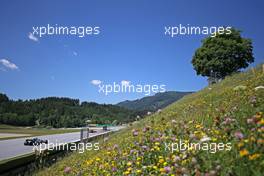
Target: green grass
[[31, 131], [224, 112]]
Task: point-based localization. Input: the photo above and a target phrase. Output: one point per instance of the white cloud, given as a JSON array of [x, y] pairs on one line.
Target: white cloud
[[74, 53], [96, 82], [125, 83], [8, 64], [32, 37]]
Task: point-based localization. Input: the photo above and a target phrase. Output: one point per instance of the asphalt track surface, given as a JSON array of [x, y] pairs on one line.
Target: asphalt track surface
[[15, 147]]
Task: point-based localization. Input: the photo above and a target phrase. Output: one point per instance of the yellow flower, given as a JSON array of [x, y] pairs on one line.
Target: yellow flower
[[129, 164], [214, 139], [198, 126], [155, 167], [161, 161], [126, 173], [246, 140], [240, 144], [243, 152], [216, 132], [162, 170], [261, 122], [259, 115], [157, 148], [97, 159], [252, 138], [157, 143], [184, 162], [254, 156], [139, 171]]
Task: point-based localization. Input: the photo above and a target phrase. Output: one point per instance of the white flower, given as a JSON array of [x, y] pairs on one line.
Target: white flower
[[205, 138], [173, 121], [259, 87]]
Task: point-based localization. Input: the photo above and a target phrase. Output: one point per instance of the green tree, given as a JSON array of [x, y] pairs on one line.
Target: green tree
[[222, 55], [3, 98]]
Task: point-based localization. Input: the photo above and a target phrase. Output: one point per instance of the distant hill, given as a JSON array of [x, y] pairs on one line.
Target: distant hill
[[153, 103]]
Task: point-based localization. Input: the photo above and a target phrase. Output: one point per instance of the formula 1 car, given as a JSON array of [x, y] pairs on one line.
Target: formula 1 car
[[35, 141]]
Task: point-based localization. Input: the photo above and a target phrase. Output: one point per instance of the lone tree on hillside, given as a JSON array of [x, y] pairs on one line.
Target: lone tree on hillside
[[222, 55]]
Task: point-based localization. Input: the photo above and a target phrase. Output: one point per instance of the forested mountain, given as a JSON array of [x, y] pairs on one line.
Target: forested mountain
[[153, 103], [60, 112]]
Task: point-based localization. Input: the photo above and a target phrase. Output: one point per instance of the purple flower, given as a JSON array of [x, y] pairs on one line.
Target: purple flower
[[133, 151], [145, 147], [157, 139], [135, 132], [114, 169], [238, 135], [167, 169]]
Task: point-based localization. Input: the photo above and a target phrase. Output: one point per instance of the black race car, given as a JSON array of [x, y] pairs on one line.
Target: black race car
[[35, 141]]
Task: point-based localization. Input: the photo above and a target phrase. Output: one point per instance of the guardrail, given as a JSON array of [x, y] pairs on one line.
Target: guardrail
[[28, 163]]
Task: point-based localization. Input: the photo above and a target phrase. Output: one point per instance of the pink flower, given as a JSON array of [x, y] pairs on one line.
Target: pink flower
[[173, 139], [67, 170], [135, 132], [228, 120], [115, 146], [146, 129]]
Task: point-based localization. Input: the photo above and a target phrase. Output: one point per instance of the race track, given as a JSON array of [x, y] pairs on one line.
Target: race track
[[15, 147]]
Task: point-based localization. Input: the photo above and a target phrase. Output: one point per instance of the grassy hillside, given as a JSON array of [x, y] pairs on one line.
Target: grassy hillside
[[228, 112], [155, 102]]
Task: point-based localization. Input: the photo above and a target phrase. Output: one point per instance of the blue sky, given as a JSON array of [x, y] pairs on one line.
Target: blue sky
[[131, 44]]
